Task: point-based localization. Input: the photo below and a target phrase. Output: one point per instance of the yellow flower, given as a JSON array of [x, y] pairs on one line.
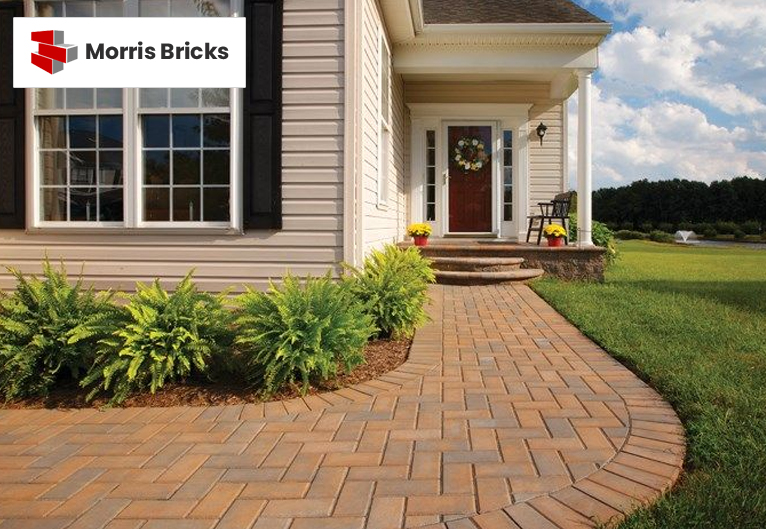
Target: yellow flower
[[554, 230], [419, 229]]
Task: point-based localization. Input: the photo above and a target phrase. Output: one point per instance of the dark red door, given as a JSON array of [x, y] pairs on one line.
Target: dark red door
[[470, 188]]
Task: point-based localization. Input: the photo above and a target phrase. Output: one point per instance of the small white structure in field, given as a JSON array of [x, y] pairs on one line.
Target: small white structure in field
[[686, 236]]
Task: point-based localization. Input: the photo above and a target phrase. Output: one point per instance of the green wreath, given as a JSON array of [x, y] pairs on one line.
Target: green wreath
[[470, 154]]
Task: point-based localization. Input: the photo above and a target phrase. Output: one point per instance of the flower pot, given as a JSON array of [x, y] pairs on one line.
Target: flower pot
[[420, 240], [555, 241]]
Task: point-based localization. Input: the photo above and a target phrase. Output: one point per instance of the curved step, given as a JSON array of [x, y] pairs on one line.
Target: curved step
[[476, 264], [486, 278]]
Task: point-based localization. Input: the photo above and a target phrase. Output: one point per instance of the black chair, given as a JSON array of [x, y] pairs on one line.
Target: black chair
[[556, 210]]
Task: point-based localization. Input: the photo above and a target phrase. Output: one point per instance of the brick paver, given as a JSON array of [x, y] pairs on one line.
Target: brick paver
[[504, 416]]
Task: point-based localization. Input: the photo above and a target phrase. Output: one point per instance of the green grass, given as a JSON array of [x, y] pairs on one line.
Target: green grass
[[692, 323]]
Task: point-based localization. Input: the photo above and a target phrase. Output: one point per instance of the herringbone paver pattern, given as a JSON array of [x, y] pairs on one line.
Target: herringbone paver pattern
[[505, 416]]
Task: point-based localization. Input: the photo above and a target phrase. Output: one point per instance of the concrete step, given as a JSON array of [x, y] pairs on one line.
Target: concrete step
[[477, 264], [486, 278]]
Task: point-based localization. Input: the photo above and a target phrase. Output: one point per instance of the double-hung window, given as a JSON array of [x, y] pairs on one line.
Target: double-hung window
[[384, 122], [149, 157]]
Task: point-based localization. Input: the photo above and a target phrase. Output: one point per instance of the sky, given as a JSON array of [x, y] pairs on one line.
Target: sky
[[680, 92]]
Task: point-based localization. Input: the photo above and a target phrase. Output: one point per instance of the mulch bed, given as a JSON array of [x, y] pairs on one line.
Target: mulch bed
[[382, 356]]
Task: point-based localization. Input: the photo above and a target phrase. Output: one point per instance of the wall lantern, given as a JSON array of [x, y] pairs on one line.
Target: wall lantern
[[541, 130]]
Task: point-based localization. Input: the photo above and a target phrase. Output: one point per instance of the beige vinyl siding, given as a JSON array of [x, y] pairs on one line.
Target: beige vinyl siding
[[546, 162], [311, 241], [381, 224]]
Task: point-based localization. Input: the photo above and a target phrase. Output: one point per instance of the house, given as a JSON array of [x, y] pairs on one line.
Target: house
[[360, 116]]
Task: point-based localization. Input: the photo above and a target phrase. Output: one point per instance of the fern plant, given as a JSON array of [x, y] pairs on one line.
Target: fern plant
[[393, 288], [167, 337], [49, 329], [293, 332]]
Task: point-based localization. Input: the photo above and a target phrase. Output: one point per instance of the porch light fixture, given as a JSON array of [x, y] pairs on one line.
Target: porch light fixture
[[541, 130]]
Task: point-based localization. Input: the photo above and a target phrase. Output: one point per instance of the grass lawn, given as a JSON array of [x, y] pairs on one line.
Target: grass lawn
[[692, 323]]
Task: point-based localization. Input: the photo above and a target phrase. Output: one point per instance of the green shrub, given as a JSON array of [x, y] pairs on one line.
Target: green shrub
[[686, 226], [627, 235], [298, 332], [626, 226], [167, 337], [393, 288], [667, 227], [48, 331], [601, 236], [702, 228], [726, 228], [710, 233], [751, 227], [646, 227], [661, 236], [739, 234]]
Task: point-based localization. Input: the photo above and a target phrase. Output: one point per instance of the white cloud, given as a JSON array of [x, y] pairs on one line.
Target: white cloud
[[662, 140], [681, 93]]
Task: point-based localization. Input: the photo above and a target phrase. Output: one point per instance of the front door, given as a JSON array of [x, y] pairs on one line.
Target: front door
[[470, 178]]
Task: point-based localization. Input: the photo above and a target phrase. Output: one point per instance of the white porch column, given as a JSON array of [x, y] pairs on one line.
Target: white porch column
[[584, 160]]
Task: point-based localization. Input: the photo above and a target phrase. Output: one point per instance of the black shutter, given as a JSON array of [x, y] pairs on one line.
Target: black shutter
[[262, 165], [11, 126]]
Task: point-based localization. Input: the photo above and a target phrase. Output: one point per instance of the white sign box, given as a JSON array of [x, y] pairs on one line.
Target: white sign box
[[56, 52]]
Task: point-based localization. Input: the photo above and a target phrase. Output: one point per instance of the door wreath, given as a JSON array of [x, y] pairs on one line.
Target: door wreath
[[470, 154]]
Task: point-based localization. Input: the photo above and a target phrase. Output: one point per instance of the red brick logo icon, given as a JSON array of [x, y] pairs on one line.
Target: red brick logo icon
[[52, 53]]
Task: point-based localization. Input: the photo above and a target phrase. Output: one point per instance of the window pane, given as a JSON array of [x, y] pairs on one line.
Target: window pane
[[216, 167], [508, 212], [216, 130], [154, 97], [199, 8], [82, 204], [508, 195], [184, 97], [110, 168], [157, 204], [215, 97], [507, 176], [507, 157], [82, 167], [431, 194], [431, 212], [52, 132], [53, 203], [186, 131], [157, 167], [79, 9], [431, 157], [49, 9], [111, 204], [49, 98], [53, 168], [79, 98], [82, 132], [156, 131], [153, 8], [108, 8], [431, 175], [186, 204], [109, 97], [110, 132], [186, 167], [431, 138], [216, 204], [507, 139]]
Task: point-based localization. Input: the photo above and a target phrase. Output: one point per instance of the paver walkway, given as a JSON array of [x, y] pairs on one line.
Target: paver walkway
[[505, 416]]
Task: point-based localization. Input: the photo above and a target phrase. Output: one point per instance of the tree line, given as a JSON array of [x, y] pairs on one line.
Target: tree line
[[681, 203]]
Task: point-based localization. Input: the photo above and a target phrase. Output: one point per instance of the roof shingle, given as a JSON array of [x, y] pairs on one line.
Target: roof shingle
[[505, 12]]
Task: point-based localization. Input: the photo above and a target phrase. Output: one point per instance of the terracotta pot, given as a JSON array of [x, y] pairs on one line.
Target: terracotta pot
[[555, 241], [420, 240]]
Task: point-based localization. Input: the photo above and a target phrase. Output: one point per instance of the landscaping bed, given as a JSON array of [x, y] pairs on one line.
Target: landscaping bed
[[381, 357]]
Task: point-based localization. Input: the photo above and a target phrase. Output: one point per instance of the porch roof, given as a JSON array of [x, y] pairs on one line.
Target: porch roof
[[506, 12]]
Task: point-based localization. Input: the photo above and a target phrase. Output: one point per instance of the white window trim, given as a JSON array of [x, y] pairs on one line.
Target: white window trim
[[132, 166], [385, 131]]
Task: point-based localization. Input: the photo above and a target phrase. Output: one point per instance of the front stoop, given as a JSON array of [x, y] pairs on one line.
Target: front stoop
[[464, 270]]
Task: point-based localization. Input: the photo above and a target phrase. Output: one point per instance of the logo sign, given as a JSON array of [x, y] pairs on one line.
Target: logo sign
[[129, 52], [52, 52]]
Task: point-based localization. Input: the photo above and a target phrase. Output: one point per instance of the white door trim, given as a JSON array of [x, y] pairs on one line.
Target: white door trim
[[435, 116]]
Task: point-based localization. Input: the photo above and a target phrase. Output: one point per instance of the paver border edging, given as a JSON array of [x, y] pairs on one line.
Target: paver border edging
[[645, 467]]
